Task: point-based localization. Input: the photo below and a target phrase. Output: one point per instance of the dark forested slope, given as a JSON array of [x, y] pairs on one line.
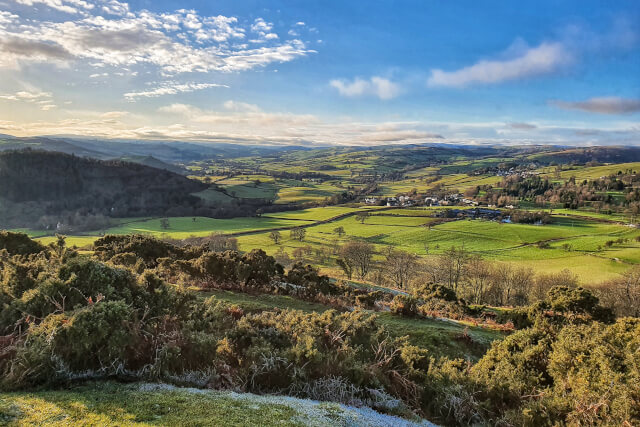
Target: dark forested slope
[[54, 184]]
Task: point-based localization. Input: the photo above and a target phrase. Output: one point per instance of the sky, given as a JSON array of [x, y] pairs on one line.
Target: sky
[[318, 73]]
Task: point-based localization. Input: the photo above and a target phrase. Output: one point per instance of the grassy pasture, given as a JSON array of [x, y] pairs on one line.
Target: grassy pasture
[[574, 243], [313, 214], [308, 192], [183, 227], [512, 243], [581, 173]]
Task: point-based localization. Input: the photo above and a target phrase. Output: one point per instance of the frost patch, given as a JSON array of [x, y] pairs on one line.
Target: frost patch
[[311, 413]]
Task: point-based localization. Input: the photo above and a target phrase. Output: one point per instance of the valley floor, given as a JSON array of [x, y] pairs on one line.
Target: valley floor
[[576, 239]]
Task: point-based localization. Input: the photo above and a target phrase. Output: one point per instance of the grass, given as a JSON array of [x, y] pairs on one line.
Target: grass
[[409, 230], [110, 403], [512, 243], [313, 214], [181, 227], [212, 195], [77, 241], [264, 302], [595, 172]]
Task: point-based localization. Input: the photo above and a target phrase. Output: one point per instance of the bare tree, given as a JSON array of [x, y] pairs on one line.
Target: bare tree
[[544, 282], [298, 233], [346, 266], [299, 255], [275, 236], [362, 217], [452, 265], [164, 223], [478, 276], [218, 242], [510, 286], [622, 294], [359, 255], [282, 257], [400, 267]]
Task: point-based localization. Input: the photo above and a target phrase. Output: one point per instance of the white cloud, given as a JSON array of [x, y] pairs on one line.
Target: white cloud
[[114, 7], [543, 59], [7, 18], [178, 42], [27, 96], [68, 6], [260, 25], [244, 123], [249, 116], [521, 61], [113, 114], [602, 105], [263, 29], [170, 88], [375, 86]]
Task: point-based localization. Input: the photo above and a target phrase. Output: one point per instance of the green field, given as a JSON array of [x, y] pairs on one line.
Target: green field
[[314, 214], [180, 228], [512, 243], [576, 243]]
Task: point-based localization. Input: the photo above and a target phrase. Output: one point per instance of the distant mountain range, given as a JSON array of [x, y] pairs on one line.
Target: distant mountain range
[[169, 155], [159, 154]]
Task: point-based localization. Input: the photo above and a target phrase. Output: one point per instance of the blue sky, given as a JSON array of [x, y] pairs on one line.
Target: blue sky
[[322, 73]]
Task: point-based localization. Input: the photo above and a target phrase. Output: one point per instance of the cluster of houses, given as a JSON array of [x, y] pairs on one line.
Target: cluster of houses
[[497, 171], [446, 200], [391, 201], [514, 171]]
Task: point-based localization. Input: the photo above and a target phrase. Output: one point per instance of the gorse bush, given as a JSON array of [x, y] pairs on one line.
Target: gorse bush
[[18, 243], [583, 374], [75, 317], [67, 316]]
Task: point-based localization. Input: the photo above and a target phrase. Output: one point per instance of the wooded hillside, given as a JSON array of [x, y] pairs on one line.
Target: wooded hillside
[[52, 184]]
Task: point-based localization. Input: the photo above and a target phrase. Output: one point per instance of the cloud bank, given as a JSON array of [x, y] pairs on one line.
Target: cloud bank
[[603, 105], [108, 33]]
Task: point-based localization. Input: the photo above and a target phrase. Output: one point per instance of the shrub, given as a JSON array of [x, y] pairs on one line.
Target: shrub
[[94, 337], [308, 277], [18, 243], [405, 305], [144, 247], [435, 291]]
